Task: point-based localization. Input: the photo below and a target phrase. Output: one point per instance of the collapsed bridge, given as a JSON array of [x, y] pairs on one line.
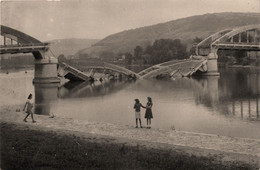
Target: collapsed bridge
[[172, 68]]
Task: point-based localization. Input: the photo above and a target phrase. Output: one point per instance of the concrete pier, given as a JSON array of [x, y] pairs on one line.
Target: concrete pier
[[46, 70]]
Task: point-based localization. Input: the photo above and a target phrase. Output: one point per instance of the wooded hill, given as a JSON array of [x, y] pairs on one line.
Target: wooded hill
[[69, 47], [185, 29]]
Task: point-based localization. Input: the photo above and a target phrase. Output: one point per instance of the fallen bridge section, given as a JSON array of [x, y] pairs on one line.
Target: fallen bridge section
[[72, 73], [182, 68]]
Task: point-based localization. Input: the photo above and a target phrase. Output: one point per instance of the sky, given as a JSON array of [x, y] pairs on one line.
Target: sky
[[95, 19]]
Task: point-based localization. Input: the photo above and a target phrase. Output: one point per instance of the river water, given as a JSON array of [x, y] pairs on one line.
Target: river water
[[226, 105]]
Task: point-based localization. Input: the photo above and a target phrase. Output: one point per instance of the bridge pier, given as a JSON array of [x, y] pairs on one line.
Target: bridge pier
[[212, 65], [46, 71]]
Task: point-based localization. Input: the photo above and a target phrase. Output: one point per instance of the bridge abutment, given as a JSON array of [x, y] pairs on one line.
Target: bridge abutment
[[45, 70]]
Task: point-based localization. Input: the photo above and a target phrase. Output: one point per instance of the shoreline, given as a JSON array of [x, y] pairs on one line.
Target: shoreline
[[224, 149]]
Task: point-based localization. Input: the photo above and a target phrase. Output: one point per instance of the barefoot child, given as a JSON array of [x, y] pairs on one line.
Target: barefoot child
[[137, 108], [29, 105]]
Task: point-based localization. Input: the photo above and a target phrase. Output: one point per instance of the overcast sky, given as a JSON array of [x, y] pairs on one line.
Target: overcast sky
[[48, 20]]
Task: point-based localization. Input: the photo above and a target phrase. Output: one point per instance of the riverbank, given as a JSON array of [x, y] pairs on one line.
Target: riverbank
[[16, 68], [61, 143], [228, 65]]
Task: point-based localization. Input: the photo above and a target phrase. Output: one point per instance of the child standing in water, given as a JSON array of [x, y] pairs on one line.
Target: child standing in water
[[148, 112], [29, 105], [137, 108]]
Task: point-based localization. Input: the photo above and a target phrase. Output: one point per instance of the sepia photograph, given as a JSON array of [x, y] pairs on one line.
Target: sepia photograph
[[130, 84]]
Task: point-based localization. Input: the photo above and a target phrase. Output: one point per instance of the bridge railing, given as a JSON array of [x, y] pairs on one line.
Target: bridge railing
[[120, 69]]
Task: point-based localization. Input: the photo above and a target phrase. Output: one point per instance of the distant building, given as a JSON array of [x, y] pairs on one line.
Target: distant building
[[120, 58]]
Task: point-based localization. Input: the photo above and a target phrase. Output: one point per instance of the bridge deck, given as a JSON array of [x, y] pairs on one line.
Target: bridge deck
[[25, 48], [239, 46]]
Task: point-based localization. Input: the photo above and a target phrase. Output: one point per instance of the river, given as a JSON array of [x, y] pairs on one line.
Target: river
[[226, 105]]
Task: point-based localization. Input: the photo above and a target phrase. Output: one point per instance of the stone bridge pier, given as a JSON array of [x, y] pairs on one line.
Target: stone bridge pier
[[212, 64], [46, 68], [212, 61]]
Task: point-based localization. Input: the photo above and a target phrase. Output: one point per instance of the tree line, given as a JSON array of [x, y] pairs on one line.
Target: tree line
[[161, 50]]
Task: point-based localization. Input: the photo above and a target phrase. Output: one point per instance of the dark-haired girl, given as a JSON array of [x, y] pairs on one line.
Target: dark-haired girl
[[148, 112], [29, 105], [137, 108]]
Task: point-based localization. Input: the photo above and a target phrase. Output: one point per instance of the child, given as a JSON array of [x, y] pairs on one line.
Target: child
[[29, 105], [137, 108], [148, 112]]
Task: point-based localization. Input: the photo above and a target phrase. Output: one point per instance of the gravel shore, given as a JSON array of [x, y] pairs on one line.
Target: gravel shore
[[222, 150]]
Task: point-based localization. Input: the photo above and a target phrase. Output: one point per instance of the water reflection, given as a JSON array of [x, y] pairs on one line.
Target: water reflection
[[86, 89], [206, 90], [45, 96], [240, 93], [235, 93], [239, 83]]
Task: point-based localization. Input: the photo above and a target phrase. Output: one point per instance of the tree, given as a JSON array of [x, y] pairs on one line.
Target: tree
[[195, 41], [128, 58], [162, 50], [61, 58], [239, 55], [138, 52]]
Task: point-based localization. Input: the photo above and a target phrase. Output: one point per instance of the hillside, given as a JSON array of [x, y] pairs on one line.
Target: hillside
[[70, 46], [185, 29]]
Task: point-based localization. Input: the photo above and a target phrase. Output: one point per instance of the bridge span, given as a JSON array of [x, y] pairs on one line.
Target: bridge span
[[240, 38], [15, 41]]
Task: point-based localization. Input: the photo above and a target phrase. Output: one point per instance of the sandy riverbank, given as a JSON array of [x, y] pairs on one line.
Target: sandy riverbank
[[216, 150]]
